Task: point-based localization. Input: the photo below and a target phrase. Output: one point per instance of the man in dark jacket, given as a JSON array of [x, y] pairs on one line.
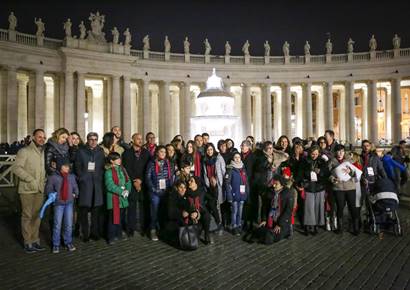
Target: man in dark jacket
[[372, 166], [330, 141], [89, 168], [119, 138], [135, 160]]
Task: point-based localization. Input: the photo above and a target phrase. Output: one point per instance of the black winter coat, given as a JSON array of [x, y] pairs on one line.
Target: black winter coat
[[307, 167], [53, 153]]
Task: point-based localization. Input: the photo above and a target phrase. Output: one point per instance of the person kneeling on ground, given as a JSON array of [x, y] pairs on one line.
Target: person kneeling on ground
[[276, 222]]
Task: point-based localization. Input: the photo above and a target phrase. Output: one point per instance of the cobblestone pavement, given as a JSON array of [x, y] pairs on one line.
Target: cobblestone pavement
[[325, 261]]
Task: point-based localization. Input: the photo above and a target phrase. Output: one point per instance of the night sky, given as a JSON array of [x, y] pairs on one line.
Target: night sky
[[236, 21]]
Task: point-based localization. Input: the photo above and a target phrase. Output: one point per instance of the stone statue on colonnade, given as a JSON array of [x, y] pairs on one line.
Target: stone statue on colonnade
[[307, 48], [167, 44], [329, 46], [83, 30], [396, 41], [115, 35], [186, 45], [285, 48], [97, 24], [372, 43], [228, 48], [145, 41], [208, 47], [350, 45], [40, 27], [266, 45], [67, 27], [127, 35], [245, 48], [12, 21]]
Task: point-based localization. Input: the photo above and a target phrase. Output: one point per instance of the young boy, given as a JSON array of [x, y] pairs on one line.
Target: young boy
[[64, 183]]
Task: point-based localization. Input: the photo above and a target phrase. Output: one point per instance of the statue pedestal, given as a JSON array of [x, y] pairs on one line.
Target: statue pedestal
[[40, 40], [70, 42], [396, 51], [287, 59], [187, 57], [167, 56], [328, 58], [12, 35], [82, 43], [146, 54], [267, 59], [307, 58], [207, 58], [247, 59], [116, 48], [350, 57], [372, 55], [127, 49], [227, 59]]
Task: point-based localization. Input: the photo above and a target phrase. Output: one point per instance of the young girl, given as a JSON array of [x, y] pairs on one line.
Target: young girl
[[118, 186], [66, 187], [237, 191]]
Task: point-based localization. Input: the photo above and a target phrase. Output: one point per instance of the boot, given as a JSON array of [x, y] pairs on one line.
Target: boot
[[339, 229], [334, 223], [356, 227], [328, 227], [306, 230]]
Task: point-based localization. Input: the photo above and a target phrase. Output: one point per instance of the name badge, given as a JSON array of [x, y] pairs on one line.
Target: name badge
[[91, 166], [242, 188], [370, 171], [313, 176], [162, 184], [325, 158], [192, 168]]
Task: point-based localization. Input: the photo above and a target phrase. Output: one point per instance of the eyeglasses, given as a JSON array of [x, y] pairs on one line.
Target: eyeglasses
[[92, 139], [322, 142]]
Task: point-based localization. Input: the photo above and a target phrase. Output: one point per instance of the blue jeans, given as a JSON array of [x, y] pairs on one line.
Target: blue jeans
[[63, 212], [155, 203], [236, 214]]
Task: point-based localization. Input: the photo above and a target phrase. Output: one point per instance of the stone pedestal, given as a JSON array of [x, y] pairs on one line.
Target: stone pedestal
[[307, 58], [328, 58], [287, 59], [207, 58], [227, 59], [247, 59], [396, 52], [146, 54], [372, 55], [40, 40], [187, 57], [127, 49], [82, 43], [350, 57], [167, 56], [116, 48], [70, 42], [12, 35], [267, 59]]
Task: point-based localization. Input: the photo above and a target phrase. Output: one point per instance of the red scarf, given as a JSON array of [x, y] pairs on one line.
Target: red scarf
[[245, 155], [197, 164], [195, 202], [115, 197], [366, 159], [151, 149], [210, 171], [157, 168], [243, 176], [64, 187]]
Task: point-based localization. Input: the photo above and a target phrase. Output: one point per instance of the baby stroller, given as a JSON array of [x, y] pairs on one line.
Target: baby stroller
[[383, 204]]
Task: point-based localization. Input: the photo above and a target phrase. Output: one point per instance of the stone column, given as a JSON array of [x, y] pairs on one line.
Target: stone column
[[396, 112], [246, 110], [31, 113], [308, 110], [164, 113], [186, 112], [80, 104], [328, 106], [40, 104], [350, 112], [286, 111], [146, 106], [126, 106], [22, 107], [115, 102], [372, 129], [69, 101], [12, 103], [267, 106]]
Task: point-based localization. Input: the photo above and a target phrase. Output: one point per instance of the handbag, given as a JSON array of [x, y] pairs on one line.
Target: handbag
[[188, 237]]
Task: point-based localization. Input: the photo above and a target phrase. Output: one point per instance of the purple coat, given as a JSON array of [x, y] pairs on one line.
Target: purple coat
[[54, 183]]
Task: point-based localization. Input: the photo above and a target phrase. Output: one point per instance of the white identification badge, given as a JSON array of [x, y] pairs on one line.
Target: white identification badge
[[325, 158], [313, 176], [162, 184], [192, 168], [370, 171], [91, 166], [242, 189]]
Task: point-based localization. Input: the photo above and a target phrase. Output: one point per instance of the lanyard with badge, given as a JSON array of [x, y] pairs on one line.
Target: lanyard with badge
[[313, 175], [91, 164]]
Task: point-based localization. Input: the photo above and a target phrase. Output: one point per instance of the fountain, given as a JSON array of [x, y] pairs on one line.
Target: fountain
[[215, 112]]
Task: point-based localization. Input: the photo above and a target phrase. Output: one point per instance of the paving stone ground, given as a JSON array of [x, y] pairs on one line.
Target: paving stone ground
[[325, 261]]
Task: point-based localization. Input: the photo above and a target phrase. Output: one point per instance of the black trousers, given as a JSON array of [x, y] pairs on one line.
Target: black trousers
[[205, 220], [97, 222], [136, 212], [115, 231], [343, 197]]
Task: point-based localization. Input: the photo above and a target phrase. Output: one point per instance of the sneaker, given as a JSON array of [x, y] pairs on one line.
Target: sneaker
[[71, 248], [37, 247], [154, 236], [56, 249], [29, 249]]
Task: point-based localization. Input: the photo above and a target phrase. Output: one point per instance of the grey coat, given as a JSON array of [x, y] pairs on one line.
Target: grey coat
[[91, 183], [220, 169]]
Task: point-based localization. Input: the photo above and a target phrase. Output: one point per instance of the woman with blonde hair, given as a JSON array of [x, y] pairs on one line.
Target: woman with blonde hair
[[57, 149]]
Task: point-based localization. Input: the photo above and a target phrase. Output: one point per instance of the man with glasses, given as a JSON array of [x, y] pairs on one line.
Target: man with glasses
[[150, 143], [330, 140], [89, 168]]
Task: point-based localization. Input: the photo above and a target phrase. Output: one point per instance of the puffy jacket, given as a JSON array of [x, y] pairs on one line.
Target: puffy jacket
[[55, 152], [233, 181], [390, 165], [153, 178]]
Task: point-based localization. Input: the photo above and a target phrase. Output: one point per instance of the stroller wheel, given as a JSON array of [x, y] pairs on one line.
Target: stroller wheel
[[398, 230]]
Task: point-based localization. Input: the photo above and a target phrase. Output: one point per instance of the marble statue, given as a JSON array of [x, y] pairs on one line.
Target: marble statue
[[329, 46], [97, 24], [307, 48], [115, 35], [67, 27], [266, 45], [350, 45], [396, 41], [127, 35], [12, 21], [167, 44], [245, 48], [83, 30], [372, 43], [145, 41], [186, 45], [40, 27], [285, 48], [227, 48], [208, 47]]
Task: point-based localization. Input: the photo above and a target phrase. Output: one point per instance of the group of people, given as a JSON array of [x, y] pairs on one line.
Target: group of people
[[112, 189]]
